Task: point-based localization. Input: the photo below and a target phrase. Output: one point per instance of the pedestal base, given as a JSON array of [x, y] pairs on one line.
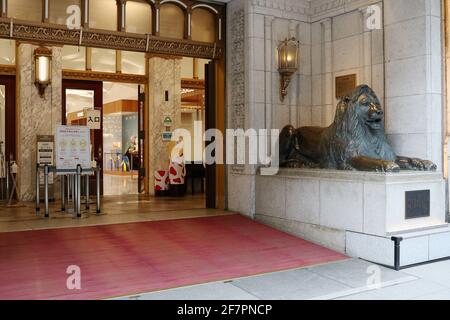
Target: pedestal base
[[358, 213]]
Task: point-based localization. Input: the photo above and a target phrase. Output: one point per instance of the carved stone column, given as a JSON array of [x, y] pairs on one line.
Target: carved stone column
[[164, 100], [36, 115]]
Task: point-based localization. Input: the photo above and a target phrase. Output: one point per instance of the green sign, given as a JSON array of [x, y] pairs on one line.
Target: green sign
[[167, 121]]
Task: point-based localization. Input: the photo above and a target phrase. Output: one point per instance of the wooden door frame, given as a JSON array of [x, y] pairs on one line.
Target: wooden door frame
[[211, 123], [10, 115]]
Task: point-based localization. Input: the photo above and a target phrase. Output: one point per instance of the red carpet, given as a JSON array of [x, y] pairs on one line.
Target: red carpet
[[125, 259]]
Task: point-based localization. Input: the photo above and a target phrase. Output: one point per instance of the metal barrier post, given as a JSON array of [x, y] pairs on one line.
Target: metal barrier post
[[78, 198], [74, 195], [97, 173], [38, 182], [87, 191], [7, 179], [69, 187], [46, 190], [63, 196]]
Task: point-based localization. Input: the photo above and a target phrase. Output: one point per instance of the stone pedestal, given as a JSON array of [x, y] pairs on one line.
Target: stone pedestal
[[357, 212]]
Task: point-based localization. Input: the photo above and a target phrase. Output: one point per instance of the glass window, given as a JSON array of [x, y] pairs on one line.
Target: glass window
[[133, 62], [73, 57], [58, 10], [7, 51], [76, 102], [187, 67], [103, 14], [203, 25], [138, 17], [103, 60], [172, 21], [30, 10]]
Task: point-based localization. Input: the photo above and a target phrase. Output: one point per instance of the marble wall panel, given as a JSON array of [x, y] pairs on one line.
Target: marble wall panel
[[37, 115]]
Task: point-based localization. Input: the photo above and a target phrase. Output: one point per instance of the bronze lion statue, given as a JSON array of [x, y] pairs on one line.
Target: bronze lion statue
[[355, 141]]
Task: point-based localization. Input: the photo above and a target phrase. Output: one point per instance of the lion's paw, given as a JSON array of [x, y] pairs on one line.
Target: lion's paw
[[390, 166], [423, 165]]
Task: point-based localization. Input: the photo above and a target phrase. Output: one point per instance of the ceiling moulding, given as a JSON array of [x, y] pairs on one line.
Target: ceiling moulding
[[299, 9], [56, 34], [323, 8]]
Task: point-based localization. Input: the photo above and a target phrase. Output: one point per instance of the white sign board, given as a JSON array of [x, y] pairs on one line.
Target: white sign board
[[45, 150], [73, 145], [94, 119]]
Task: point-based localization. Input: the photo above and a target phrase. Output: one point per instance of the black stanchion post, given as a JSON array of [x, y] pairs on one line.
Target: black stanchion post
[[46, 190], [7, 178], [78, 199], [63, 196], [87, 191], [97, 173], [74, 194], [38, 182]]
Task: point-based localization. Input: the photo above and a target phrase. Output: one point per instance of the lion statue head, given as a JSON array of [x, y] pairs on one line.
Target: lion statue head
[[358, 129]]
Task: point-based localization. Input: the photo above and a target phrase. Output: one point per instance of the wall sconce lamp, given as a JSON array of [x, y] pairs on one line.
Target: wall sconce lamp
[[42, 68], [288, 52]]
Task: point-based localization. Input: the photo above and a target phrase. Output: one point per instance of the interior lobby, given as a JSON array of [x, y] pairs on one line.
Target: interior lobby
[[111, 110]]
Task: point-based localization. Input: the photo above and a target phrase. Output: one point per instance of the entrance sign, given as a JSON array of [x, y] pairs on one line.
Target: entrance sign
[[73, 147], [45, 154], [94, 119]]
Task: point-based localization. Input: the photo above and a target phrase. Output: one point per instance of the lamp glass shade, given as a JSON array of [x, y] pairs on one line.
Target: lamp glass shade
[[288, 55], [43, 68]]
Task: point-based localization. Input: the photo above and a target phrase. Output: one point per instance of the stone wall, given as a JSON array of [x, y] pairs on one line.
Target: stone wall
[[255, 29], [36, 115], [414, 96], [343, 45], [401, 61]]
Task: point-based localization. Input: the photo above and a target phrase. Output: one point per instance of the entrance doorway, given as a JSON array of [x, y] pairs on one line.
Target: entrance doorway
[[77, 98], [121, 144], [117, 147], [7, 127]]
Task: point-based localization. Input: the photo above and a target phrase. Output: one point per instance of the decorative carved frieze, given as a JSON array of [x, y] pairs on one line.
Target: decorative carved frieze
[[104, 76], [112, 77], [56, 34]]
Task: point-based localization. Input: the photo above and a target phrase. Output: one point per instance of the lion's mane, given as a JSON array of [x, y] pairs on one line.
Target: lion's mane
[[349, 136]]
